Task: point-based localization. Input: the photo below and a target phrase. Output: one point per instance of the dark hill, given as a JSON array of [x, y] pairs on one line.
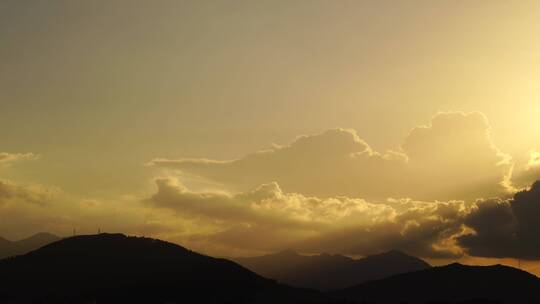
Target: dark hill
[[13, 248], [326, 272], [113, 268], [451, 284]]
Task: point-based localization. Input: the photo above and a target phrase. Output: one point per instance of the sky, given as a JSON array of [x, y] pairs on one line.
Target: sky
[[349, 127]]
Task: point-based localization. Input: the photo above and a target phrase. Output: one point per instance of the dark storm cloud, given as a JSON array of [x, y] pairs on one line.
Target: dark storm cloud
[[506, 228]]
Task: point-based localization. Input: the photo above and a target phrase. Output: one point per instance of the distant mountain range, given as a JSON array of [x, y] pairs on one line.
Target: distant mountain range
[[114, 268], [12, 248], [327, 272], [453, 283]]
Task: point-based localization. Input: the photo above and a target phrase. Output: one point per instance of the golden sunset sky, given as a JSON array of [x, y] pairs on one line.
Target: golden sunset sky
[[245, 127]]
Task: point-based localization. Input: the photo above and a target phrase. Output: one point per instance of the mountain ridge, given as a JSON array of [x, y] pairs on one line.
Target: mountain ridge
[[13, 248], [330, 271], [453, 283], [114, 268]]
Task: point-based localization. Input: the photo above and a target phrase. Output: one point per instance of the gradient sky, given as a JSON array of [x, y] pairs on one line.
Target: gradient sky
[[147, 117]]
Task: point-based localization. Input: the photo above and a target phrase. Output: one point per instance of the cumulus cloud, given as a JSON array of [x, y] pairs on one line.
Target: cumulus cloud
[[8, 158], [311, 165], [506, 228], [269, 219], [453, 157], [427, 229], [268, 205]]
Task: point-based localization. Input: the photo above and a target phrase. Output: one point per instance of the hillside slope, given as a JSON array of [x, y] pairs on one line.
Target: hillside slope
[[451, 283], [114, 268]]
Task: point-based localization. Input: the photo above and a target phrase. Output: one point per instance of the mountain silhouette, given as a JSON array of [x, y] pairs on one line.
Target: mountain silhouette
[[13, 248], [453, 283], [114, 268], [327, 272]]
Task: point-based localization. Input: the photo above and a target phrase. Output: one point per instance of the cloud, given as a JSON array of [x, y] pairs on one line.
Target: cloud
[[9, 158], [527, 172], [453, 157], [29, 208], [311, 165], [269, 219], [506, 228], [11, 192], [427, 229], [24, 208], [267, 205]]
